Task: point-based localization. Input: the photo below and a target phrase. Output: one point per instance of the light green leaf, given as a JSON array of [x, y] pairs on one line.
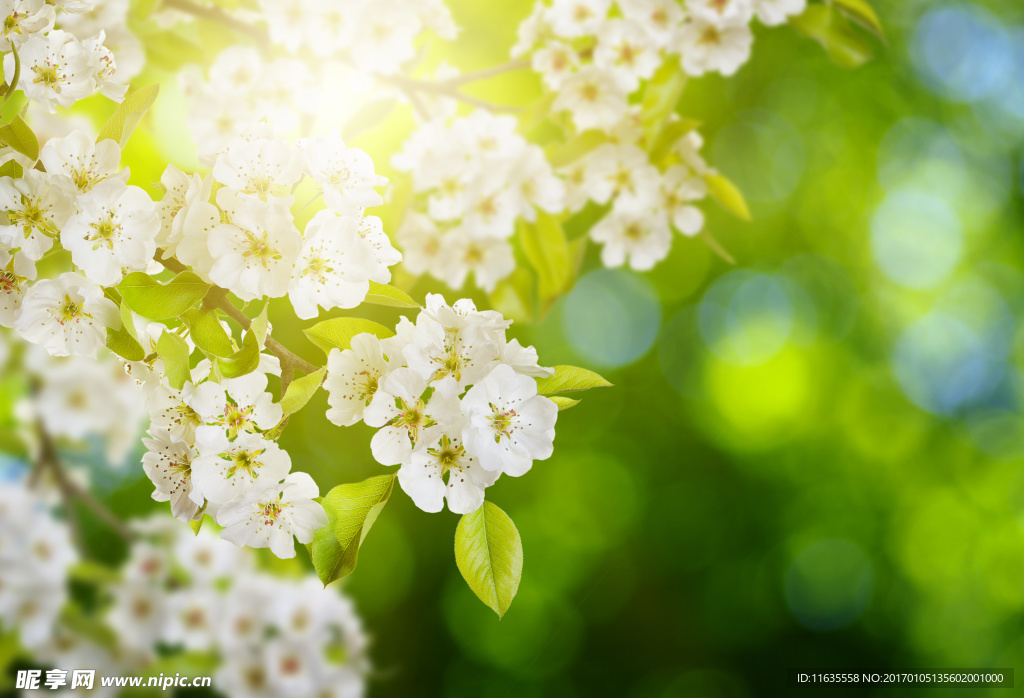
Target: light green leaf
[[561, 154], [124, 342], [74, 618], [247, 359], [670, 134], [830, 28], [728, 195], [19, 136], [513, 296], [174, 351], [12, 168], [546, 247], [338, 332], [563, 402], [568, 379], [351, 510], [489, 554], [381, 294], [300, 391], [196, 524], [91, 572], [128, 115], [151, 299], [861, 11], [207, 333], [660, 98], [16, 78]]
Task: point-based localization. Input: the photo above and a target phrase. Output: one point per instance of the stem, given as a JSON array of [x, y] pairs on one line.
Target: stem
[[217, 15], [465, 78], [218, 298], [446, 89]]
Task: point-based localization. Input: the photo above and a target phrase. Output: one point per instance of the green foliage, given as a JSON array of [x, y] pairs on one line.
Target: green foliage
[[151, 299], [563, 402], [19, 136], [351, 510], [74, 618], [830, 28], [382, 294], [861, 11], [124, 341], [728, 195], [660, 98], [562, 154], [174, 352], [338, 332], [569, 379], [669, 135], [12, 168], [546, 247], [301, 390], [489, 554], [128, 114], [247, 359], [207, 333]]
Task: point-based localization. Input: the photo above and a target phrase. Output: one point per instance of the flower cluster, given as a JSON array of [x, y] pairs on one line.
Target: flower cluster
[[450, 398], [58, 67], [475, 176], [177, 593], [595, 53]]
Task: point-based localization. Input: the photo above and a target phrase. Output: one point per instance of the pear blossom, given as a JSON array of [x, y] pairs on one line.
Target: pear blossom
[[626, 51], [594, 98], [641, 237], [67, 315], [344, 174], [722, 12], [168, 463], [775, 12], [489, 259], [37, 206], [56, 70], [237, 405], [13, 283], [105, 68], [139, 612], [115, 229], [659, 18], [259, 167], [450, 355], [84, 161], [402, 415], [192, 616], [22, 19], [371, 229], [352, 378], [226, 470], [270, 515], [171, 409], [384, 40], [621, 171], [555, 61], [711, 46], [508, 425], [182, 191], [575, 18], [681, 187], [422, 474]]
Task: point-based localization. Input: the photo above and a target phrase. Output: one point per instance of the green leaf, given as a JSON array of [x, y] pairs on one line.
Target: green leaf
[[561, 154], [17, 74], [128, 114], [351, 510], [727, 194], [207, 333], [174, 351], [546, 247], [151, 299], [91, 572], [830, 28], [489, 554], [300, 391], [247, 359], [74, 618], [19, 136], [513, 296], [12, 168], [861, 11], [563, 402], [381, 294], [660, 98], [568, 379], [196, 524], [670, 134], [123, 341], [338, 332]]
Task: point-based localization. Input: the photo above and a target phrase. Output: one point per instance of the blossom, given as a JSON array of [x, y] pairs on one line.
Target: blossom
[[258, 167], [226, 470], [56, 70], [680, 187], [334, 267], [115, 228], [352, 378], [182, 191], [84, 161], [489, 259], [168, 464], [171, 409], [237, 405], [623, 172], [626, 51], [270, 515], [402, 415], [659, 18], [67, 315], [555, 61], [422, 474], [775, 12], [576, 18], [105, 68], [344, 174], [508, 425], [13, 282], [254, 253], [371, 229], [642, 237], [22, 19], [707, 46], [594, 98], [722, 12], [37, 206], [192, 616]]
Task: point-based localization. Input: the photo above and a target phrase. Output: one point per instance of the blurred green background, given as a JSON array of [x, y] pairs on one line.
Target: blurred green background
[[812, 458]]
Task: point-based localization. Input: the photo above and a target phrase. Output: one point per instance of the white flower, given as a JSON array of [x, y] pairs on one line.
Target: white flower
[[538, 185], [626, 51], [706, 46], [83, 160], [680, 187], [555, 61], [245, 621], [422, 244], [775, 12], [333, 268], [688, 149], [22, 19], [659, 18], [344, 174], [352, 378], [13, 282], [642, 237], [371, 229], [227, 470], [182, 191], [37, 205], [403, 416], [576, 18], [56, 70], [422, 474], [255, 252], [168, 464], [594, 98], [622, 172], [171, 408], [383, 41], [489, 259], [192, 616], [523, 359], [722, 12], [115, 229], [67, 315], [531, 30], [269, 515], [249, 409], [104, 68], [508, 425], [259, 167], [207, 558], [139, 613], [293, 665]]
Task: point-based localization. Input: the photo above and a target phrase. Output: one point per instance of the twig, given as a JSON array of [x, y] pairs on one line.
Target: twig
[[445, 89], [260, 36], [465, 78]]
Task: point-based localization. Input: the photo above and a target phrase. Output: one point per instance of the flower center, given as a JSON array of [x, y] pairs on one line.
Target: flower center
[[503, 422], [236, 419], [48, 74], [270, 511], [104, 233], [258, 247], [448, 456], [242, 461], [70, 310], [318, 266]]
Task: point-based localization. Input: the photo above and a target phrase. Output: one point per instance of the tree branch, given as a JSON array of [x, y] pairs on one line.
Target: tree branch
[[260, 36]]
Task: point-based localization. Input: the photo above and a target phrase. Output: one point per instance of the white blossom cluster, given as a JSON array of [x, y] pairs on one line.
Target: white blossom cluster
[[59, 67], [450, 397], [594, 54], [474, 177], [180, 592]]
